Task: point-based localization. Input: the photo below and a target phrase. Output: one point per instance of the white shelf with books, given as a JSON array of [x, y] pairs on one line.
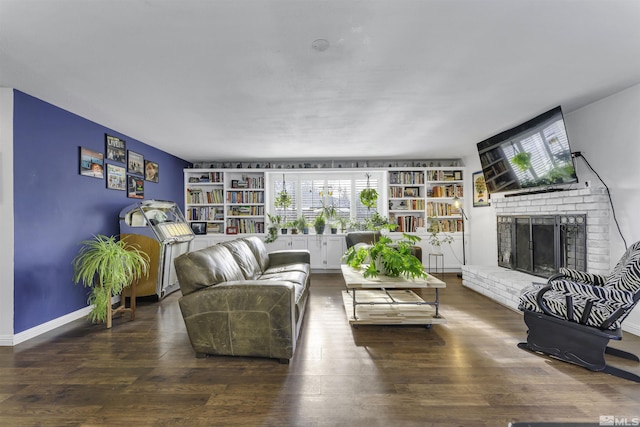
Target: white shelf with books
[[244, 204], [406, 197], [443, 185], [222, 202]]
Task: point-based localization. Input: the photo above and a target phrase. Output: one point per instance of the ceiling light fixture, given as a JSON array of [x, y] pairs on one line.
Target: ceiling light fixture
[[320, 45]]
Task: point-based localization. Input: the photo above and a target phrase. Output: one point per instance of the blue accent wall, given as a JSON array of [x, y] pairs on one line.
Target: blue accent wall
[[55, 207]]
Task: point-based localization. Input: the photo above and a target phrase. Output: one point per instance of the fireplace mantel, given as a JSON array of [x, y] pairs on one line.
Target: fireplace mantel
[[592, 202], [504, 285]]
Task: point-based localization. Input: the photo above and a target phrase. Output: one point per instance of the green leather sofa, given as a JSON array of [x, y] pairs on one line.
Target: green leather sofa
[[240, 300]]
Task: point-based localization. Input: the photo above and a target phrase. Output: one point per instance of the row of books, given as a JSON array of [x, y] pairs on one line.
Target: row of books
[[406, 177], [246, 225], [246, 211], [205, 213], [445, 191], [441, 209], [450, 225], [245, 197], [408, 223], [410, 204], [208, 177], [444, 175], [396, 192], [248, 182], [198, 196]]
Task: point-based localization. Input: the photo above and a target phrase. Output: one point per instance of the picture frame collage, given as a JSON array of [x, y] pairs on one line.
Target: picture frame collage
[[126, 170]]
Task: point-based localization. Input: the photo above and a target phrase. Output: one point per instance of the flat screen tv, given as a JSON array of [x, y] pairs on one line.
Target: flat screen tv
[[534, 156]]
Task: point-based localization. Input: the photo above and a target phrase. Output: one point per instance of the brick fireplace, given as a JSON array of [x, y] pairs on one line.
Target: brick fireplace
[[591, 204]]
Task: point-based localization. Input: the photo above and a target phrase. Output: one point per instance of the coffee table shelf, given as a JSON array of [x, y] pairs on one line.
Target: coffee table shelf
[[389, 300]]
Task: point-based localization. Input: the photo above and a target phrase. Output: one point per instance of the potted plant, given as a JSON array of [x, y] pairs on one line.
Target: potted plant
[[318, 223], [344, 223], [388, 257], [107, 265], [436, 236], [301, 224], [272, 230]]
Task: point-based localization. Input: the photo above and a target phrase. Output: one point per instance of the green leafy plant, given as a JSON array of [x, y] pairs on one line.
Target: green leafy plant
[[272, 230], [319, 223], [522, 160], [369, 196], [107, 266], [436, 236], [393, 257], [301, 223]]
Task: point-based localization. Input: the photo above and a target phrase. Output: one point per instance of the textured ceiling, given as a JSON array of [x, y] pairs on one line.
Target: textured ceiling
[[240, 79]]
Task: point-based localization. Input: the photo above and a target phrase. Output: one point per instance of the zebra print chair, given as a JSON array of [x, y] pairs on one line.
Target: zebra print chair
[[574, 315]]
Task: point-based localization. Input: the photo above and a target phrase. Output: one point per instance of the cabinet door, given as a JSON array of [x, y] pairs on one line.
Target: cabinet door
[[282, 243], [315, 244], [335, 246]]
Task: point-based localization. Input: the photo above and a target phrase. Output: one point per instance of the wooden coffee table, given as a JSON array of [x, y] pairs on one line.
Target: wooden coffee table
[[387, 300]]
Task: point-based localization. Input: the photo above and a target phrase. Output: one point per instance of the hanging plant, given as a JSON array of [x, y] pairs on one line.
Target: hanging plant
[[522, 160], [369, 196], [283, 199]]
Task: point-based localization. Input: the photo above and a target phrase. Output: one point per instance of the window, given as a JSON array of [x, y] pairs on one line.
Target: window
[[312, 193]]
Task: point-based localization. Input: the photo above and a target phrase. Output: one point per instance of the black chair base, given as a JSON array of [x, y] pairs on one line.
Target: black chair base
[[575, 343]]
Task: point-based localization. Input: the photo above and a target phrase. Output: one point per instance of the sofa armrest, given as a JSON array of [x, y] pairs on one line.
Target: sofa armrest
[[246, 318], [291, 256], [613, 297], [583, 276]]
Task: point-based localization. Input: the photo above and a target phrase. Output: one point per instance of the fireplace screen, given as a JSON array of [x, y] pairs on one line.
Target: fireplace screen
[[541, 244]]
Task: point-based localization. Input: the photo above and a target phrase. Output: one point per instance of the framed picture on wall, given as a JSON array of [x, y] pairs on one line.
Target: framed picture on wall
[[151, 171], [480, 192], [135, 164], [116, 177], [115, 148], [135, 187], [91, 163]]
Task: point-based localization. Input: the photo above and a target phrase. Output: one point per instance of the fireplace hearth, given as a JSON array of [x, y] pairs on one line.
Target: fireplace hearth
[[541, 244]]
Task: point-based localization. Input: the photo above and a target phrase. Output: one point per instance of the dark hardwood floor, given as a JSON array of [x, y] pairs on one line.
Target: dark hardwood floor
[[467, 372]]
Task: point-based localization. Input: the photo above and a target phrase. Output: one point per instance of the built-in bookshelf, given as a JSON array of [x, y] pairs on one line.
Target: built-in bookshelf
[[443, 185], [229, 202], [415, 195], [407, 199]]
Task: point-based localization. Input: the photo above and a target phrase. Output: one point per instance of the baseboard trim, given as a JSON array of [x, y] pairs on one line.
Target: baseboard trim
[[43, 328]]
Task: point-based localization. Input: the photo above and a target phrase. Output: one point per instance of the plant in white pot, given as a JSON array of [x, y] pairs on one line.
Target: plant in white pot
[[107, 265]]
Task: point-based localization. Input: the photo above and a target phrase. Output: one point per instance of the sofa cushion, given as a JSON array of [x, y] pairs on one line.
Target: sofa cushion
[[297, 277], [244, 257], [206, 267], [259, 250], [298, 266]]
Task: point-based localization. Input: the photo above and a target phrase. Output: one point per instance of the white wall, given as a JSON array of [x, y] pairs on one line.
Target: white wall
[[607, 132], [6, 216]]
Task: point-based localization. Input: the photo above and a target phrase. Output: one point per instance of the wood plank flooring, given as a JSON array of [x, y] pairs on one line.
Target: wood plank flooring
[[467, 372]]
